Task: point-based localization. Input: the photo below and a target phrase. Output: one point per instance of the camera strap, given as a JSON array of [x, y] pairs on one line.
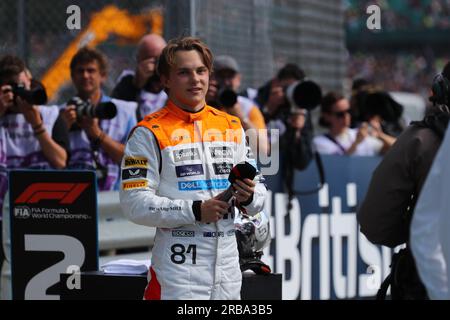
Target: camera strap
[[327, 135], [100, 170]]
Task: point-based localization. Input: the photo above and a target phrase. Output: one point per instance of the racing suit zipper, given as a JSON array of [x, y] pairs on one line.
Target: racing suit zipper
[[208, 177]]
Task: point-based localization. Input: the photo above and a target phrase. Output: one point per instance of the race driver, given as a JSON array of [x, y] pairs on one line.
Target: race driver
[[174, 170]]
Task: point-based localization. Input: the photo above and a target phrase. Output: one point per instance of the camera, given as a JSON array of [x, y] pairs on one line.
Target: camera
[[382, 104], [34, 96], [227, 97], [103, 110], [153, 84], [303, 94]]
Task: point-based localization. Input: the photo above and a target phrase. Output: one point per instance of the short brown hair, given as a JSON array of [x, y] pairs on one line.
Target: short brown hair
[[328, 101], [167, 58], [87, 55], [10, 67]]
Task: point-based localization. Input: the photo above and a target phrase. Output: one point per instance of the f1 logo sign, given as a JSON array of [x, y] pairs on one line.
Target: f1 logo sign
[[67, 193]]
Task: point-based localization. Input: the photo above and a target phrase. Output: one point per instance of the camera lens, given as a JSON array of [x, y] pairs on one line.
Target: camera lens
[[305, 94], [35, 96], [227, 97]]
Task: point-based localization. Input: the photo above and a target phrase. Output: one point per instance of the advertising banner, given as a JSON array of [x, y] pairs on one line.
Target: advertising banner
[[317, 245]]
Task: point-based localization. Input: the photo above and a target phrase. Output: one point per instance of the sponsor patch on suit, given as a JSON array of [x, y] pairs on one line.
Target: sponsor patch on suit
[[136, 162], [186, 154], [221, 152], [134, 173], [189, 170], [196, 185], [222, 168], [213, 234], [134, 184], [183, 234]]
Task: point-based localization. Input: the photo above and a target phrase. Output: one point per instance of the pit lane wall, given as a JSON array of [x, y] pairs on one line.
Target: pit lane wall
[[317, 246]]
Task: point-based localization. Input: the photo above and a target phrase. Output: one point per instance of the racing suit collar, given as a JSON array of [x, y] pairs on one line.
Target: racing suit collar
[[188, 116]]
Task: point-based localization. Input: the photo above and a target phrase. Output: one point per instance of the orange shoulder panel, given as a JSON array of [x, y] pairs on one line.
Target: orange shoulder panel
[[170, 130]]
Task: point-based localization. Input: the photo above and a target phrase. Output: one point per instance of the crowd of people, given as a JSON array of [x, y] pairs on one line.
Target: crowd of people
[[168, 89], [408, 67], [405, 71]]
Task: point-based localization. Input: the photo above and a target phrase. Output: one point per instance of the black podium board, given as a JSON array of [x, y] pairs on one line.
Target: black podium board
[[53, 217], [99, 286]]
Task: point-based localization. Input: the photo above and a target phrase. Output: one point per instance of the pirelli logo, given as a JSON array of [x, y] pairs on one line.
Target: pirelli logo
[[136, 162], [134, 184]]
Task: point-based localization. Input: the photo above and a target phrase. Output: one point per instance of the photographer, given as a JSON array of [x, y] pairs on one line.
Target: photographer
[[341, 139], [292, 122], [143, 85], [35, 135], [96, 142], [386, 212], [31, 135], [222, 94], [377, 107]]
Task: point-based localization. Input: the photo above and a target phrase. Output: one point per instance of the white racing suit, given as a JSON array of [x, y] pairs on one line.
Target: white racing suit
[[173, 160]]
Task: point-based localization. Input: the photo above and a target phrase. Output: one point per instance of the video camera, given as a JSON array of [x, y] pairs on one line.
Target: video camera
[[34, 96], [303, 95], [103, 110], [378, 103]]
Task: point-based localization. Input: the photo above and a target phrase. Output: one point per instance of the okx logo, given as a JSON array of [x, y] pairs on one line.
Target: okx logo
[[67, 193]]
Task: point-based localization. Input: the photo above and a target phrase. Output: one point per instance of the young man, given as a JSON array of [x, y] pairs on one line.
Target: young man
[[175, 167], [96, 144]]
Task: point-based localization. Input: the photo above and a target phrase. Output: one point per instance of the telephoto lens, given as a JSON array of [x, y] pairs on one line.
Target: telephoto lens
[[103, 110], [304, 94], [227, 97]]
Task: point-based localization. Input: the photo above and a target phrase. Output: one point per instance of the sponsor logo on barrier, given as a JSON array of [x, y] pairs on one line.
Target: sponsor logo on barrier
[[222, 168], [67, 193], [334, 235], [189, 170], [134, 173], [136, 162], [221, 152], [134, 185], [186, 154], [183, 234], [203, 185]]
